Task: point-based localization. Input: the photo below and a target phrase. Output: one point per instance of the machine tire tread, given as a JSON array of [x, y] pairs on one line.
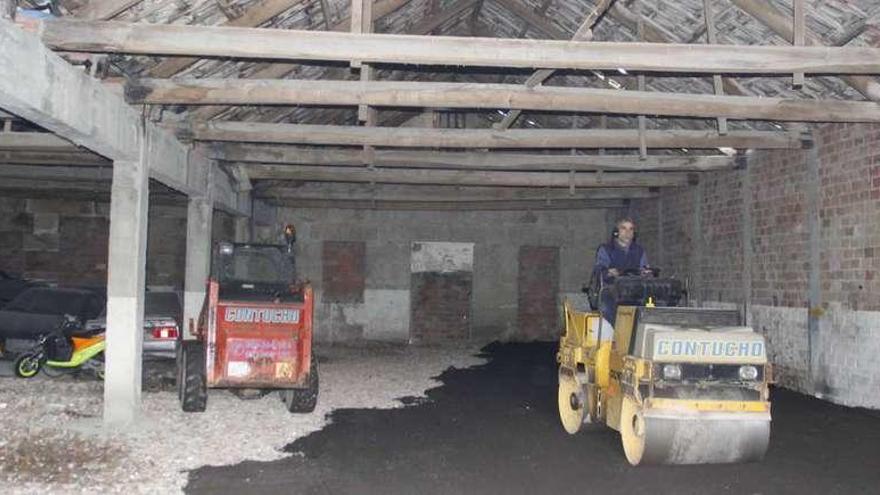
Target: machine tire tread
[[191, 380], [303, 400]]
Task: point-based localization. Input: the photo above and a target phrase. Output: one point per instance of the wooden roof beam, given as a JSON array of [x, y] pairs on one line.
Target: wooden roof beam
[[439, 193], [584, 33], [493, 96], [782, 25], [255, 132], [253, 43], [383, 204], [466, 160], [467, 177], [257, 14], [380, 9]]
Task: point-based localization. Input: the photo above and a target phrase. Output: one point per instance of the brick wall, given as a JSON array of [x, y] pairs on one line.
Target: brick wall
[[721, 258], [389, 236], [781, 237], [850, 215], [344, 271], [667, 238], [538, 288], [66, 241], [848, 338], [441, 306]]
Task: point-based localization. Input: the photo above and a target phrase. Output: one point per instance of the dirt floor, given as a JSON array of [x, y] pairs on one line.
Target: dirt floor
[[53, 440], [494, 429]]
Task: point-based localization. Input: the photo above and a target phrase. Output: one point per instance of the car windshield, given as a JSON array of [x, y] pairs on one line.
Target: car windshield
[[162, 303], [48, 301], [260, 264]]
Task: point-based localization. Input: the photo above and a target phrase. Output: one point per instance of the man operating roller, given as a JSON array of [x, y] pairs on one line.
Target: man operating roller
[[619, 256]]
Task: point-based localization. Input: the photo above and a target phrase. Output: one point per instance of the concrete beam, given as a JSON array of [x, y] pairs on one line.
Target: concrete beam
[[39, 86], [34, 141], [71, 174]]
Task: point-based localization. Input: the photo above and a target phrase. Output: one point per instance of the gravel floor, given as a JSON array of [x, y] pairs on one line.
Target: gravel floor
[[52, 439]]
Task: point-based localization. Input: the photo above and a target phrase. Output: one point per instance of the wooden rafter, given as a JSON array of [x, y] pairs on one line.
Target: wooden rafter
[[255, 132], [102, 10], [256, 15], [467, 160], [781, 24], [800, 27], [493, 96], [380, 9], [711, 38], [231, 42], [439, 193], [467, 177], [583, 33], [454, 205]]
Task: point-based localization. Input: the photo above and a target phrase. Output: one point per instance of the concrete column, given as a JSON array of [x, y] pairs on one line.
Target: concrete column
[[243, 224], [814, 311], [125, 290], [697, 248], [199, 217], [747, 241]]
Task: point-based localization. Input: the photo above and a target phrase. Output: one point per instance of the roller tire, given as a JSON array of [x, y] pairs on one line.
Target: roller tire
[[632, 431], [303, 400], [192, 389], [571, 401]]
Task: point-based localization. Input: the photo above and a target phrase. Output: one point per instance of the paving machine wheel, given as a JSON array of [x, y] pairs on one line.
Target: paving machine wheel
[[572, 401], [191, 382], [632, 431]]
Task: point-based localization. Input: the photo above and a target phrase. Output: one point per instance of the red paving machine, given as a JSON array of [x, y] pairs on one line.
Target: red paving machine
[[254, 332]]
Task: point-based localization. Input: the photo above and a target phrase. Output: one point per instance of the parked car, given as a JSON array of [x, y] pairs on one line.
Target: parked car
[[162, 316], [12, 285], [38, 310]]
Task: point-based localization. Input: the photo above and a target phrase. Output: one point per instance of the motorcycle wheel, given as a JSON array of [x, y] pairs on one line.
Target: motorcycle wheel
[[27, 365]]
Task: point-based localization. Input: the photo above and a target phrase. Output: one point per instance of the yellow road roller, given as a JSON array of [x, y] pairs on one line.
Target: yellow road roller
[[682, 385]]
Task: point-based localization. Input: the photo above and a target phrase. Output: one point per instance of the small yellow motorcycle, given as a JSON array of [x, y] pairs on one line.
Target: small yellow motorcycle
[[62, 351]]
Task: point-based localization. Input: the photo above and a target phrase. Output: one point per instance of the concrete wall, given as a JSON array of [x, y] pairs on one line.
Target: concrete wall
[[388, 236], [798, 245], [65, 242]]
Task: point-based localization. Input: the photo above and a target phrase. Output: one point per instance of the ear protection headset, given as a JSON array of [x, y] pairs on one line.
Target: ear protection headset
[[616, 232]]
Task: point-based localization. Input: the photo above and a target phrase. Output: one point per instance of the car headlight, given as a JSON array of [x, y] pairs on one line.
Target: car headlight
[[226, 248], [671, 372], [748, 372]]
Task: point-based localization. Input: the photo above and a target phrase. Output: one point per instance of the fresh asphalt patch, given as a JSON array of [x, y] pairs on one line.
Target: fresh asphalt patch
[[493, 429]]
